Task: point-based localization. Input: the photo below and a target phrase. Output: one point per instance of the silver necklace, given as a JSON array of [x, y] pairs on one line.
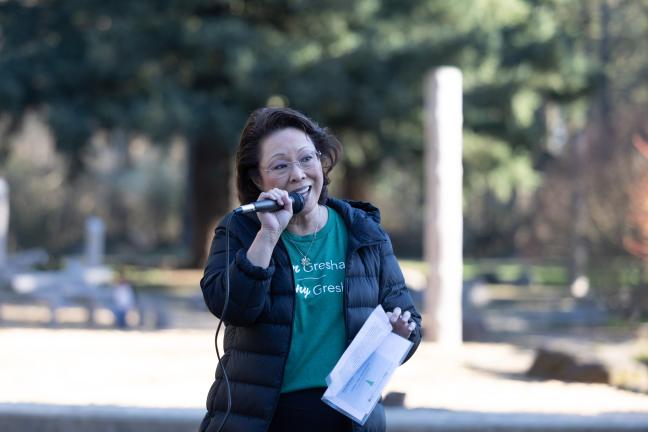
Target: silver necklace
[[305, 261]]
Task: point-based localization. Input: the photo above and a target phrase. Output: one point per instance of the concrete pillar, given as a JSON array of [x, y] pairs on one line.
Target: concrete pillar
[[444, 216], [4, 221], [95, 241], [579, 253]]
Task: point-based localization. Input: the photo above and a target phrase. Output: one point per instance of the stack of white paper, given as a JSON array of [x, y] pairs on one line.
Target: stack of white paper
[[358, 378]]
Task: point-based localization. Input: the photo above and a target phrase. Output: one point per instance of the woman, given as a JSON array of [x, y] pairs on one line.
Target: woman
[[302, 284]]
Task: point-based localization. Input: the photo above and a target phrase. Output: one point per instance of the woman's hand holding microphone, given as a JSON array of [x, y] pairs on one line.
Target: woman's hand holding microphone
[[272, 225]]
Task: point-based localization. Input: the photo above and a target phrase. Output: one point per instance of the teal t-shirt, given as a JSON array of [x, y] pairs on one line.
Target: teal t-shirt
[[318, 334]]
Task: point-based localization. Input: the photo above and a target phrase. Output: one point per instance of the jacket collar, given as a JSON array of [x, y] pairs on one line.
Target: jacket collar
[[362, 220]]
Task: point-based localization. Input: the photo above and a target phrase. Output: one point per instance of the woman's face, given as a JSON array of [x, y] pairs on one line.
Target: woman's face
[[278, 168]]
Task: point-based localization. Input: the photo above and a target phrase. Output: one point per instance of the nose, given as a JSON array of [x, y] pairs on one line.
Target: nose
[[301, 174]]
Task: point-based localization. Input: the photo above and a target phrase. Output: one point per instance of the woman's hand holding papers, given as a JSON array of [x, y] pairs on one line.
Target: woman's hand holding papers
[[401, 324]]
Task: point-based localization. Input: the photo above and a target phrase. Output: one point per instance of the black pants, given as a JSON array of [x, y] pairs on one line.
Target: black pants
[[303, 410]]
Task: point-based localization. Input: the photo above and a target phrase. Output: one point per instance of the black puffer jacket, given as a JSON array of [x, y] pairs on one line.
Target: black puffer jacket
[[260, 312]]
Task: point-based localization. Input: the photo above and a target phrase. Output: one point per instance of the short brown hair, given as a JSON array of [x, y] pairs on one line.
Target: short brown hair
[[263, 122]]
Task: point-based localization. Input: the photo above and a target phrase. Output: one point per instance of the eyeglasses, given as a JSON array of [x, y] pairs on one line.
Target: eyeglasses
[[279, 168]]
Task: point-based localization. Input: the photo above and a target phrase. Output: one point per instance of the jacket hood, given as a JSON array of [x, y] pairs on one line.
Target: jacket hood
[[369, 209], [362, 219], [355, 209]]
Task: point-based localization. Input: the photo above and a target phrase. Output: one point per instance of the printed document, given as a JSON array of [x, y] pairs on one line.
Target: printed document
[[358, 378]]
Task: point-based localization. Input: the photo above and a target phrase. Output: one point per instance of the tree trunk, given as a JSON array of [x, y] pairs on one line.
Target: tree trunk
[[356, 183], [209, 195], [605, 108]]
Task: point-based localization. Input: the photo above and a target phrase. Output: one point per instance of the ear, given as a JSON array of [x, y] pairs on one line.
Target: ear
[[256, 179]]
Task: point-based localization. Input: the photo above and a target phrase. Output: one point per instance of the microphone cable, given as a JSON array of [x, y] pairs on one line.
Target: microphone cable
[[298, 205], [220, 323]]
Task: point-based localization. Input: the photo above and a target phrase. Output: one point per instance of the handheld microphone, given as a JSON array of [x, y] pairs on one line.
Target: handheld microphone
[[271, 205]]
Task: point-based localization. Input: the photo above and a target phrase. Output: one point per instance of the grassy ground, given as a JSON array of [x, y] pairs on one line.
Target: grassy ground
[[643, 358], [507, 279], [504, 270], [500, 270], [178, 281]]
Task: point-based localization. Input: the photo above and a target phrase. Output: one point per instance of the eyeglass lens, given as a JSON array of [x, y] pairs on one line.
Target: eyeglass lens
[[281, 168]]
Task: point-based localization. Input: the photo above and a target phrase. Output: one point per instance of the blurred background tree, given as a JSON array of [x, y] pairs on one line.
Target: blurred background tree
[[143, 103]]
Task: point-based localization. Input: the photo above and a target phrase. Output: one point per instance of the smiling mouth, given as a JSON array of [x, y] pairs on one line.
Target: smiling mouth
[[304, 191]]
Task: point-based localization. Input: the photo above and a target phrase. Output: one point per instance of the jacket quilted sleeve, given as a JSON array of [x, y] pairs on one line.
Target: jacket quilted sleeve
[[394, 292], [248, 285]]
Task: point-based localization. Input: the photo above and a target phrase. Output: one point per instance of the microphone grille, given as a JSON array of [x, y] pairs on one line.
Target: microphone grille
[[297, 202]]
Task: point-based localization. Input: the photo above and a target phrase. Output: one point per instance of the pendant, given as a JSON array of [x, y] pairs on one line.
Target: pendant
[[305, 261]]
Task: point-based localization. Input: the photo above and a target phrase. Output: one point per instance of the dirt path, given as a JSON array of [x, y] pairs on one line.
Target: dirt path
[[174, 368]]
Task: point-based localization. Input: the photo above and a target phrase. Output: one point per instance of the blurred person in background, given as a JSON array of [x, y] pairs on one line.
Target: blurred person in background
[[301, 285], [123, 300]]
